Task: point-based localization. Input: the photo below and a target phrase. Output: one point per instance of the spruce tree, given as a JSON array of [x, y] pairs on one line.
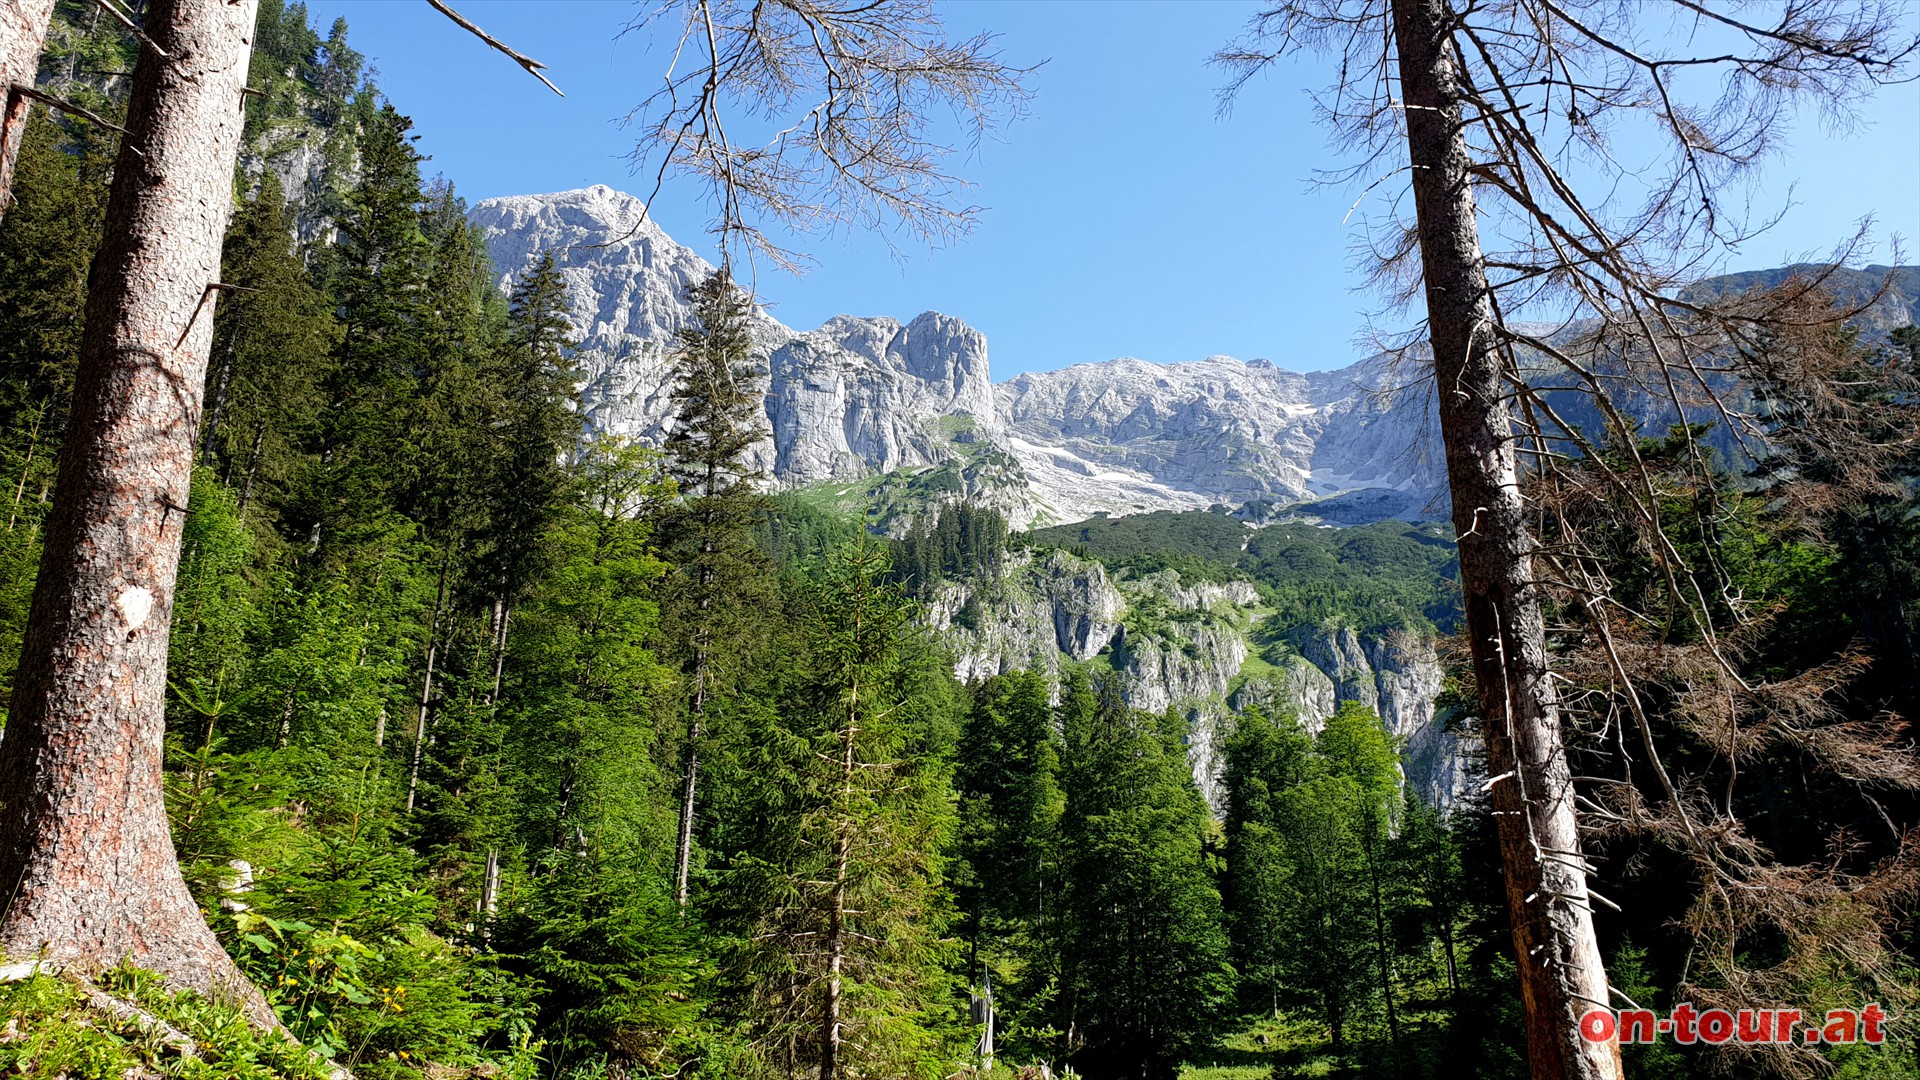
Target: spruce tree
[[530, 480], [1008, 882], [845, 960], [47, 241], [718, 419], [271, 355], [1266, 756], [1143, 958], [1313, 885], [377, 277]]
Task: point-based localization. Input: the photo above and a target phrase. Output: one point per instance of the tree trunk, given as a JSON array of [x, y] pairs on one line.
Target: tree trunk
[[253, 463], [426, 683], [87, 866], [1561, 975], [696, 713], [835, 944], [683, 846], [23, 34], [1380, 938], [502, 616]]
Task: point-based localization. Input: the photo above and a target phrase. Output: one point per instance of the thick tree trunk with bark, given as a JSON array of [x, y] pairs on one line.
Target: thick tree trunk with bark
[[87, 868], [23, 34], [1561, 974]]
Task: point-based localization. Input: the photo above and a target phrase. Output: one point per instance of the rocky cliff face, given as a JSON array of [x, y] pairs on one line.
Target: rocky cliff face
[[864, 396], [853, 398], [1191, 647], [1035, 612], [1127, 436], [1397, 674]]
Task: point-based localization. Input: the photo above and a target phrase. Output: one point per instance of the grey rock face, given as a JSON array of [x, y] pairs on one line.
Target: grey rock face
[[1086, 606], [855, 397], [860, 396], [1302, 688], [1159, 671], [1127, 436], [1034, 613]]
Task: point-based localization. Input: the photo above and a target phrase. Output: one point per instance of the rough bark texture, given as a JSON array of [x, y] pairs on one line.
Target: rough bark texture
[[1561, 974], [87, 868], [23, 33]]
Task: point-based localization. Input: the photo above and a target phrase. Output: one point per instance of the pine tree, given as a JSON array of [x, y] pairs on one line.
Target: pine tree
[[1010, 802], [718, 419], [846, 961], [271, 355], [1143, 959]]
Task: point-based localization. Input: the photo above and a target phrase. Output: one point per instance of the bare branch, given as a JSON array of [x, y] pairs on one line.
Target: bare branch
[[842, 103], [534, 67]]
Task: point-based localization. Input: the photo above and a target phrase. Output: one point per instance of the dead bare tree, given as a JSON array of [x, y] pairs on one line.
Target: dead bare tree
[[1506, 117], [23, 33], [808, 115], [87, 867]]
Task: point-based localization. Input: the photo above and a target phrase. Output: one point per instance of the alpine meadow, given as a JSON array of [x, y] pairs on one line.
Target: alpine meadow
[[450, 628]]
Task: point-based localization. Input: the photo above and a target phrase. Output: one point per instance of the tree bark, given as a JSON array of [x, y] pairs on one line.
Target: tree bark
[[1561, 973], [88, 874], [23, 34]]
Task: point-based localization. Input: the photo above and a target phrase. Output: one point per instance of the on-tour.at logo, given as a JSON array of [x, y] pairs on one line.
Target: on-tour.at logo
[[1686, 1025]]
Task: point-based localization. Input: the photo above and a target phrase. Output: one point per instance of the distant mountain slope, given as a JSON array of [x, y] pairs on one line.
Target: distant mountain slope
[[854, 397], [1898, 306], [862, 397]]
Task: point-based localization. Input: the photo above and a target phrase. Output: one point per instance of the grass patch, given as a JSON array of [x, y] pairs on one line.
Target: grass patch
[[49, 1030], [1293, 1047]]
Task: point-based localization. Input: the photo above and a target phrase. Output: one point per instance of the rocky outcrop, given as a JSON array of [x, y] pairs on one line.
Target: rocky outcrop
[[1127, 436], [860, 396], [1299, 686], [1159, 670], [853, 398], [1396, 673], [1186, 646], [1027, 617], [864, 396]]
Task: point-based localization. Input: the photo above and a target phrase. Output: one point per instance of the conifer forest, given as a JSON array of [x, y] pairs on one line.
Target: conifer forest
[[403, 675]]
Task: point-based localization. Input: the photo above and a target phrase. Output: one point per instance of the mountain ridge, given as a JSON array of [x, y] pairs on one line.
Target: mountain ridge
[[871, 396]]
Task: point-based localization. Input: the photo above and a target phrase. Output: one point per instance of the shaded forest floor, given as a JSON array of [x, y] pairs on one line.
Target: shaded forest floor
[[1297, 1045]]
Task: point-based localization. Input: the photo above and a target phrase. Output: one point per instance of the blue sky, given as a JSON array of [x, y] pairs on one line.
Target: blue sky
[[1123, 218]]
